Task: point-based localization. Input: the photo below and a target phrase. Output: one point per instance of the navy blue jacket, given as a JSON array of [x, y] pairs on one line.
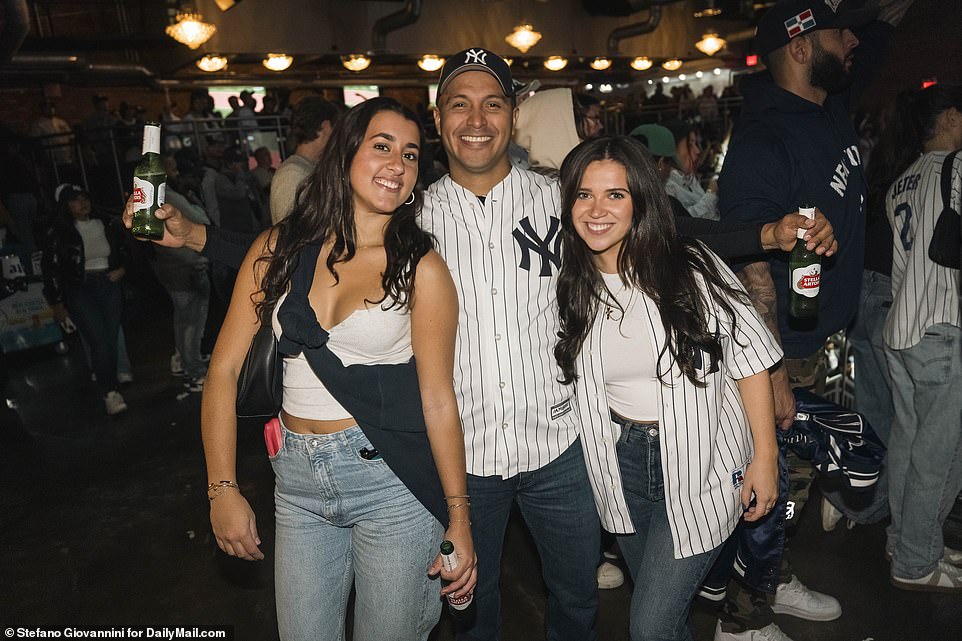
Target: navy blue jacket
[[789, 152], [385, 400]]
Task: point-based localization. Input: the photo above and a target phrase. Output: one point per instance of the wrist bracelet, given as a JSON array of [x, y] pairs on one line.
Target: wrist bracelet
[[214, 489], [458, 496], [452, 506]]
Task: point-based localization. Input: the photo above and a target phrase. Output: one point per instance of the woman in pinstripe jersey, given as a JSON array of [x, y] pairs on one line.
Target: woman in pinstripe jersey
[[670, 363]]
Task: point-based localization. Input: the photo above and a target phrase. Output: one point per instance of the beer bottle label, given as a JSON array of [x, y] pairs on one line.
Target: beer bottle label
[[806, 280], [143, 193], [161, 194]]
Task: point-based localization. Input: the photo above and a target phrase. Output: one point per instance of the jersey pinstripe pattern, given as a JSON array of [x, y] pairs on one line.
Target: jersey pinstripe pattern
[[704, 435], [504, 257], [923, 292]]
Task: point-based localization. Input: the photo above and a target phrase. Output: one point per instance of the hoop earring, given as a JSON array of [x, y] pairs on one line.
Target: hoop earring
[[410, 200]]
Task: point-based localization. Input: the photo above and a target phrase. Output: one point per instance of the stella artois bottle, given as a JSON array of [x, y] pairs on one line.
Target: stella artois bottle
[[150, 183], [461, 608], [805, 274]]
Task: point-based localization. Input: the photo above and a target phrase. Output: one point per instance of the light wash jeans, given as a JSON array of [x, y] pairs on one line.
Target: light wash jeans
[[558, 508], [873, 396], [664, 585], [344, 520], [925, 451]]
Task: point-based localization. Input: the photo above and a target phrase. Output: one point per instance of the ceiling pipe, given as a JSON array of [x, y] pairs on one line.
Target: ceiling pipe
[[16, 26], [67, 64], [392, 22], [633, 29]]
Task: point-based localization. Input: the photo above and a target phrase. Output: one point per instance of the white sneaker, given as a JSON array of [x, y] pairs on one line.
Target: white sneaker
[[610, 576], [952, 557], [125, 377], [944, 578], [770, 632], [794, 599], [114, 403]]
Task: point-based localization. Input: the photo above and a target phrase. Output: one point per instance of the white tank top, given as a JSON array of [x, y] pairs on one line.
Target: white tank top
[[628, 353], [370, 336]]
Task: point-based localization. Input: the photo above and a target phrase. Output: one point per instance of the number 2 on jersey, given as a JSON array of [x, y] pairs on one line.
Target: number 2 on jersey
[[905, 233]]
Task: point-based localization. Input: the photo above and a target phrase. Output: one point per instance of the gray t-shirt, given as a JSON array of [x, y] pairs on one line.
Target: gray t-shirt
[[287, 179]]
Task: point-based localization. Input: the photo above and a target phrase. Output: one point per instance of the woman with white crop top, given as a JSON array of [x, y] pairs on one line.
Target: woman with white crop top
[[369, 453], [670, 365]]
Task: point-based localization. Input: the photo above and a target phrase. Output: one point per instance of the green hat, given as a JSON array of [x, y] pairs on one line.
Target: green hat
[[659, 140]]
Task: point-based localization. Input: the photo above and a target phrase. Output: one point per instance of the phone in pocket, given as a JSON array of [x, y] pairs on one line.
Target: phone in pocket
[[272, 436]]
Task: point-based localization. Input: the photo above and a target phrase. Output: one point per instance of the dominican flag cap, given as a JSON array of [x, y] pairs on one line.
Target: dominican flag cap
[[791, 18]]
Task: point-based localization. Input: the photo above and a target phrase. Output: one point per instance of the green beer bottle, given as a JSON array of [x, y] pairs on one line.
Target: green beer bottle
[[805, 274], [150, 185]]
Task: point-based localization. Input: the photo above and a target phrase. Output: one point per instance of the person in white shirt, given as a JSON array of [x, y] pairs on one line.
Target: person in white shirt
[[923, 345], [670, 362], [497, 229]]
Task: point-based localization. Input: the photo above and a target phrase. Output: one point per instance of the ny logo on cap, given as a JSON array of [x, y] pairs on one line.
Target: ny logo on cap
[[800, 23], [833, 5], [476, 55]]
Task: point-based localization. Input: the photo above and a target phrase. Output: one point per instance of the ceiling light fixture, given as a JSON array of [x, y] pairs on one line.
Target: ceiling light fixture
[[211, 63], [710, 44], [641, 63], [672, 65], [277, 61], [555, 63], [710, 11], [430, 62], [600, 64], [190, 29], [358, 62], [523, 37]]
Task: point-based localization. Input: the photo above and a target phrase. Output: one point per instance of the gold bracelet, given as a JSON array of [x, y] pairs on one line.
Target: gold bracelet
[[468, 521], [452, 506], [214, 489], [458, 496]]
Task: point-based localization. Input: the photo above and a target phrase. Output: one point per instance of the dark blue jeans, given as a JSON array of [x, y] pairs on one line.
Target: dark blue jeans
[[558, 508], [95, 306], [664, 585]]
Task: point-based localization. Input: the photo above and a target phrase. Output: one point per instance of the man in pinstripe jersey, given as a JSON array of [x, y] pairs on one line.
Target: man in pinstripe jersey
[[497, 228]]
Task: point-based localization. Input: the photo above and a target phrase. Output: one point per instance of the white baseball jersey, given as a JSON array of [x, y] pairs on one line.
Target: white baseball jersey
[[923, 292], [504, 255], [704, 435]]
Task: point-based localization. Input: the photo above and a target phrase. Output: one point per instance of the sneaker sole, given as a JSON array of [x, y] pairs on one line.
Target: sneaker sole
[[804, 614], [922, 587], [610, 585]]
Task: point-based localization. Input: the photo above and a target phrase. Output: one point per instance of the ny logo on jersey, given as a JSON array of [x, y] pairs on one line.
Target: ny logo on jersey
[[548, 248], [478, 56]]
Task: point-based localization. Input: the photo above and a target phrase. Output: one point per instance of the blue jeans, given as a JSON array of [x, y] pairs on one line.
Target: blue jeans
[[344, 520], [873, 395], [557, 505], [189, 290], [95, 307], [925, 450], [664, 585]]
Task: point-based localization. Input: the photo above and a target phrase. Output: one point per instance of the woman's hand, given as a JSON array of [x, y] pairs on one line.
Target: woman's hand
[[116, 274], [234, 526], [761, 477], [462, 579]]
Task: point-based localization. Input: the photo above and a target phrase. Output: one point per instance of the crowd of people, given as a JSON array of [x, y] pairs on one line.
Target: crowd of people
[[568, 321]]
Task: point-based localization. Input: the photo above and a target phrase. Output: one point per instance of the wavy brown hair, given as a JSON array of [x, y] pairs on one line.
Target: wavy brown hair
[[324, 211], [653, 258]]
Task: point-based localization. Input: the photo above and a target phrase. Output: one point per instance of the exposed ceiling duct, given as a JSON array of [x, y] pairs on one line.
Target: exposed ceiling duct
[[392, 22], [41, 65], [15, 20], [634, 29]]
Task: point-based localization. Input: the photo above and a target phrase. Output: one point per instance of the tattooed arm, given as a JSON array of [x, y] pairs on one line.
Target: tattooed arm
[[757, 279]]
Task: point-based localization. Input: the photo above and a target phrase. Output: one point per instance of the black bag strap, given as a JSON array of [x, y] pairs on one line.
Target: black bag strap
[[946, 180]]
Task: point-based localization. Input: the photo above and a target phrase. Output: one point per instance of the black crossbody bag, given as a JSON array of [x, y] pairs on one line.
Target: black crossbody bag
[[259, 385], [946, 245]]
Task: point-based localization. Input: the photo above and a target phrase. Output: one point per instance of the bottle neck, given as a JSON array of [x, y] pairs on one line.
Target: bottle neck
[[151, 140]]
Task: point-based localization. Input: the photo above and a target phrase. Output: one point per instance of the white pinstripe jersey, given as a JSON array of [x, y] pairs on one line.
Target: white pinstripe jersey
[[923, 292], [704, 435], [504, 257]]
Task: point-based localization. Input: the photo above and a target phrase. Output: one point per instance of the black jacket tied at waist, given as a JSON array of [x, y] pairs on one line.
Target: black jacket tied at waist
[[385, 400]]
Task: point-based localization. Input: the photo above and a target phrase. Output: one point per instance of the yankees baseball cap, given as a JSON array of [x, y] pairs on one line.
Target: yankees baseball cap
[[477, 59], [792, 18]]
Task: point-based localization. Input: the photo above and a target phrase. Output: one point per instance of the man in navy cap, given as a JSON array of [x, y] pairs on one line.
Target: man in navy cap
[[796, 146]]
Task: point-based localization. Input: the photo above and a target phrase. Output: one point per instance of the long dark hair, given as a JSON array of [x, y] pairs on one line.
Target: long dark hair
[[324, 211], [652, 258], [910, 127]]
